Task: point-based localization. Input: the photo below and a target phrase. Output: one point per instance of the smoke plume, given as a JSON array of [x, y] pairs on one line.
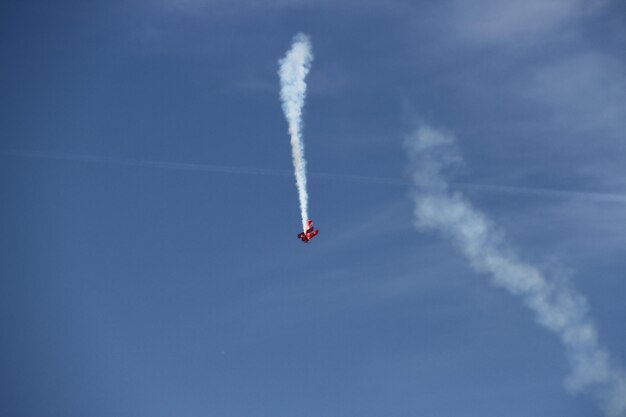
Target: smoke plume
[[556, 305], [293, 70]]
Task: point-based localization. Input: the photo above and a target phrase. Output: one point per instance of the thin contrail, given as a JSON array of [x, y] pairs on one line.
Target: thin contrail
[[181, 166], [294, 68], [363, 179], [555, 303]]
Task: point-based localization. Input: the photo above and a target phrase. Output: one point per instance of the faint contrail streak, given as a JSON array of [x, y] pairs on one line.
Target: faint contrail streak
[[363, 179], [555, 303], [181, 166], [293, 70]]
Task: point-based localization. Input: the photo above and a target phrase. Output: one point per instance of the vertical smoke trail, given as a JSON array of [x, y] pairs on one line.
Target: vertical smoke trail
[[557, 306], [293, 69]]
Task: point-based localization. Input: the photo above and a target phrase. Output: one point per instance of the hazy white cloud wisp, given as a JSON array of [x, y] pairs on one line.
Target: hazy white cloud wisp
[[557, 306]]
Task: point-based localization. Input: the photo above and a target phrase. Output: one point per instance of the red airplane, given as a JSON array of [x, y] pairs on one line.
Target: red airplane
[[309, 233]]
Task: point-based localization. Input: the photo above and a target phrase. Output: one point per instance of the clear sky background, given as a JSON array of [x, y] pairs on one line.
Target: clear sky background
[[143, 289]]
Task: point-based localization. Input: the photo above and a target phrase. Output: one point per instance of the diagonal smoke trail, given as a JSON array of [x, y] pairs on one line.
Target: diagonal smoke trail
[[293, 70], [557, 306]]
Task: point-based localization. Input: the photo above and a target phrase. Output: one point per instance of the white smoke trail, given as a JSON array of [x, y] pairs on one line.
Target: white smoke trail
[[293, 70], [555, 303]]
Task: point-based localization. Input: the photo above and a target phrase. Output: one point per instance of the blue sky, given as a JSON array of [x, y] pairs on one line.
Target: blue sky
[[142, 289]]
